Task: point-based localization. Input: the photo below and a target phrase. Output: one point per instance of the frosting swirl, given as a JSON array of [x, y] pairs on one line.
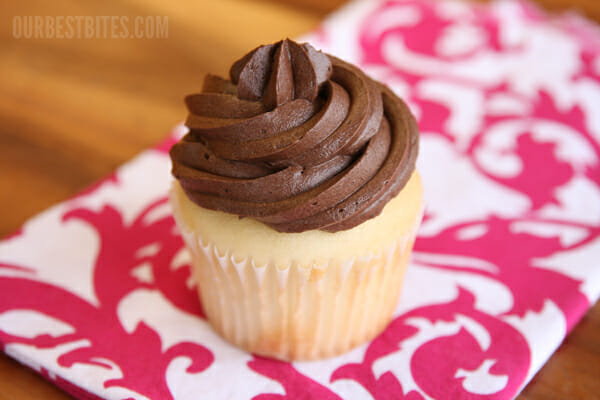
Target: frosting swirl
[[297, 139]]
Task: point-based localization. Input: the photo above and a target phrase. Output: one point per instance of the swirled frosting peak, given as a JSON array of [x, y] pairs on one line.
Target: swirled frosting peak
[[278, 73], [297, 139]]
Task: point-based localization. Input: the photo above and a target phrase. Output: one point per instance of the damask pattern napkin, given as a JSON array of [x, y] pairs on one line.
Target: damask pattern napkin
[[96, 293]]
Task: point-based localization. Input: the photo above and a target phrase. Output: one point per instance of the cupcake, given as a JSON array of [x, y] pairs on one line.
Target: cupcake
[[297, 196]]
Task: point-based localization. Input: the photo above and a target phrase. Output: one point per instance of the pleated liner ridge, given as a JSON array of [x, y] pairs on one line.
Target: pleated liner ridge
[[299, 312]]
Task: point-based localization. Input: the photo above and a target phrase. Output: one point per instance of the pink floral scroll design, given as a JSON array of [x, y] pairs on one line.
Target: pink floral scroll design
[[421, 36], [422, 31], [138, 354], [436, 365], [295, 384], [68, 386]]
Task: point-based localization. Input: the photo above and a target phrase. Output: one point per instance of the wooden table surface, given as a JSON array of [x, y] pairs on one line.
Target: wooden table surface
[[73, 110]]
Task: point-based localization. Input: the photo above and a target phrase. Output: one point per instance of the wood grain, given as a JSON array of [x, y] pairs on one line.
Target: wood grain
[[73, 110]]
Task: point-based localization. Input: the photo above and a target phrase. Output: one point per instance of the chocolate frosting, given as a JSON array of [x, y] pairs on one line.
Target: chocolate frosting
[[297, 139]]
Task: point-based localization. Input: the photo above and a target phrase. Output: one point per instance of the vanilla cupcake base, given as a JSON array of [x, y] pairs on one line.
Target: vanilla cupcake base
[[299, 296]]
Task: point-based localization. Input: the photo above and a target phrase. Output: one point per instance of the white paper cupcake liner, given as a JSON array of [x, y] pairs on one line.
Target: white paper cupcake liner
[[294, 311]]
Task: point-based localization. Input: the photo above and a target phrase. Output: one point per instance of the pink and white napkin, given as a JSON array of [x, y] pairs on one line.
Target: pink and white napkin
[[96, 292]]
